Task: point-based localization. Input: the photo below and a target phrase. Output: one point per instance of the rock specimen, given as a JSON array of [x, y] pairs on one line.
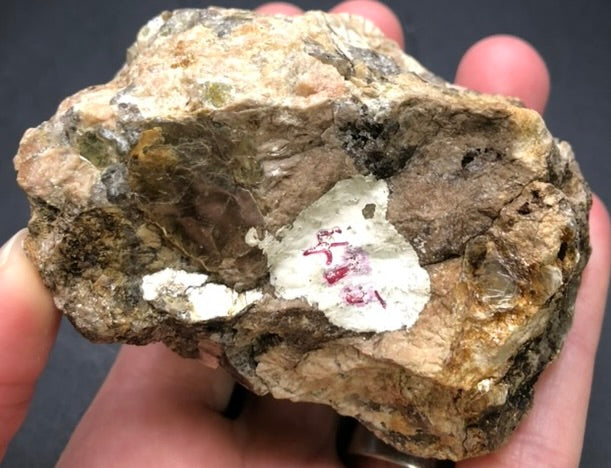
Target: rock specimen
[[298, 199]]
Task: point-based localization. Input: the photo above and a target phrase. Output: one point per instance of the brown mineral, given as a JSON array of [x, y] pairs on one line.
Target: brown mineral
[[297, 198]]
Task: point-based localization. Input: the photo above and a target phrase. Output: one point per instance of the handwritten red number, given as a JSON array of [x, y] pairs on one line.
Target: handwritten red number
[[355, 262]]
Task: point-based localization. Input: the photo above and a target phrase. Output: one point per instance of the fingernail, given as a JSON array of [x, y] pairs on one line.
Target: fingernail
[[9, 248]]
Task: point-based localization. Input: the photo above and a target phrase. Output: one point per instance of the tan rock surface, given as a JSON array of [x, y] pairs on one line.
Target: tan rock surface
[[333, 221]]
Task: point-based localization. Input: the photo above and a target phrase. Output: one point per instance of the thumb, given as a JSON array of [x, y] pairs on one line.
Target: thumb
[[28, 326]]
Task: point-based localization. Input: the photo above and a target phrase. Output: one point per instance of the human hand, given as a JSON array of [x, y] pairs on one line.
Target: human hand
[[156, 408]]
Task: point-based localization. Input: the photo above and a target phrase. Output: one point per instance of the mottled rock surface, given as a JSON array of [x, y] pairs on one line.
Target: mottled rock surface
[[298, 200]]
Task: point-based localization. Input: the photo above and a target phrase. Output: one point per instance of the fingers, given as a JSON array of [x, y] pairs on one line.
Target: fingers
[[498, 64], [156, 371], [506, 65], [378, 13], [552, 433], [158, 408], [28, 327], [302, 434], [584, 336], [279, 8], [154, 401]]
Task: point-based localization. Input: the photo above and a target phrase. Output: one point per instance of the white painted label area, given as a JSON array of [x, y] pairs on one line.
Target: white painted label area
[[343, 256], [191, 297]]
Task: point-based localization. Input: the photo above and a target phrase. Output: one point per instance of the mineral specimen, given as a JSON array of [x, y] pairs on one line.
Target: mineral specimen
[[328, 219]]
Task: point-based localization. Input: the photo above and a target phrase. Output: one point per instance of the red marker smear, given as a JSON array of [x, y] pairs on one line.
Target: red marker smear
[[354, 296], [354, 262], [356, 258], [324, 233], [335, 274], [324, 247], [379, 298]]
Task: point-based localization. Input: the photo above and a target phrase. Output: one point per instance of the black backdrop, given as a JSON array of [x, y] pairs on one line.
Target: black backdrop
[[50, 49]]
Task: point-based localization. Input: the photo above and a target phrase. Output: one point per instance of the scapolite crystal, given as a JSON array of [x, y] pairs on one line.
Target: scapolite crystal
[[326, 218]]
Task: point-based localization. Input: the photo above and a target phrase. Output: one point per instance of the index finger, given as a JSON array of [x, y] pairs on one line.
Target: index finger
[[376, 12], [27, 332], [507, 65]]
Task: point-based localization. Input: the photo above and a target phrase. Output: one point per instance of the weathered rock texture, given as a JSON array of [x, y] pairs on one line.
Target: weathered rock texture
[[298, 199]]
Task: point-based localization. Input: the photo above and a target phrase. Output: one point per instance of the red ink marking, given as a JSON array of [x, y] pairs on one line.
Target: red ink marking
[[379, 298], [354, 295], [324, 247], [324, 233], [356, 259], [354, 262], [326, 252], [335, 274], [338, 244]]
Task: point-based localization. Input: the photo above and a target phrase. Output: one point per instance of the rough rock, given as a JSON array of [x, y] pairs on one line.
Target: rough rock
[[296, 199]]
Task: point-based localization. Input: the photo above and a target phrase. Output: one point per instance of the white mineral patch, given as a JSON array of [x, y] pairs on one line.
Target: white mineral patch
[[191, 297], [217, 300], [171, 282], [484, 386], [342, 255]]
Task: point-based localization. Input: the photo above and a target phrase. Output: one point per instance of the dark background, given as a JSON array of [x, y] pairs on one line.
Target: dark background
[[50, 49]]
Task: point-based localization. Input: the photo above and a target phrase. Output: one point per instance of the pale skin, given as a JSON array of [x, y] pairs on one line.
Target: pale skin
[[157, 409]]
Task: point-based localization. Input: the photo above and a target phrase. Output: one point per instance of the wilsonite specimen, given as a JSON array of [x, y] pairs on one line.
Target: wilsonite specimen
[[295, 198]]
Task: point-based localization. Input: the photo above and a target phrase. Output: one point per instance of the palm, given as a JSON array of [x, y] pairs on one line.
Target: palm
[[160, 417]]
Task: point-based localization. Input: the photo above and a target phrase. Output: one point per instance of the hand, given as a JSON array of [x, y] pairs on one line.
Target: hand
[[156, 408]]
